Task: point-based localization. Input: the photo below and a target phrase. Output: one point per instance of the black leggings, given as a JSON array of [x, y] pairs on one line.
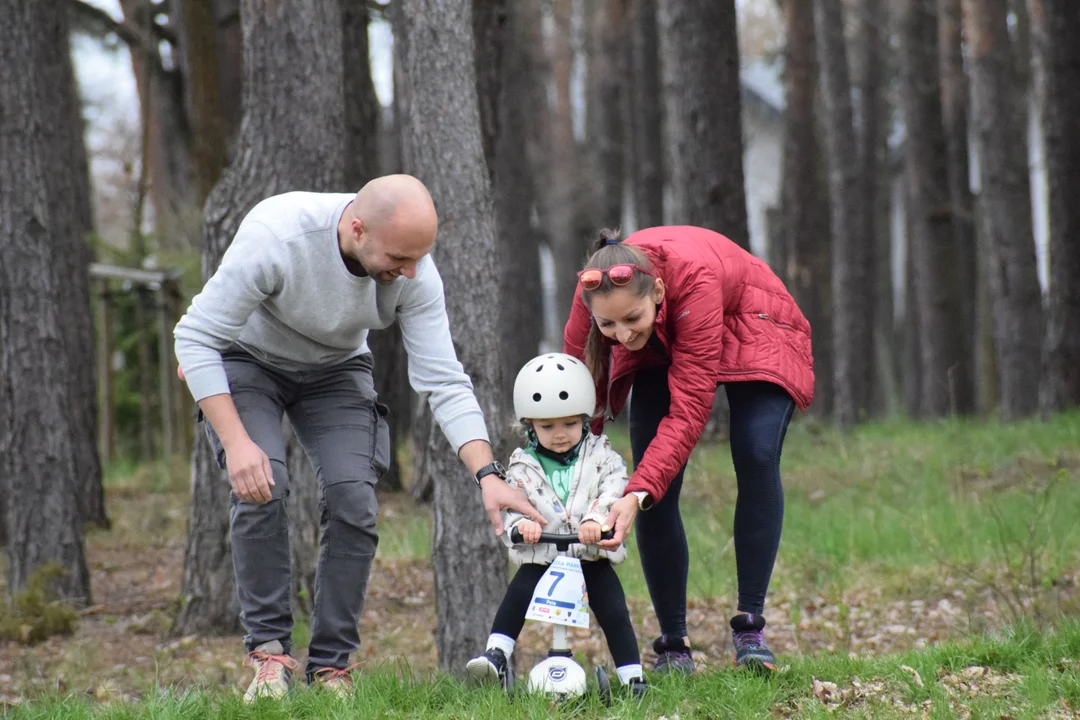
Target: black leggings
[[606, 600], [760, 413]]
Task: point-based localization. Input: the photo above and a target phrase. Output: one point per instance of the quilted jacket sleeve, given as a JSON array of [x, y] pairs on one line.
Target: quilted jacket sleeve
[[698, 331], [515, 477], [610, 485]]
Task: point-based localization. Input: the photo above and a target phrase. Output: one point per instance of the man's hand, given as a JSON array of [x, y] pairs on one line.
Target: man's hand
[[530, 531], [589, 532], [249, 471], [621, 518], [500, 496]]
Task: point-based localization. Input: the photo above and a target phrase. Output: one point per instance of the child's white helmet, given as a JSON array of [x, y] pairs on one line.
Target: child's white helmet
[[554, 385]]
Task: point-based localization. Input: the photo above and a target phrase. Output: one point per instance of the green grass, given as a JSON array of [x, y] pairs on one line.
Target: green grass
[[1020, 673], [883, 505], [893, 513]]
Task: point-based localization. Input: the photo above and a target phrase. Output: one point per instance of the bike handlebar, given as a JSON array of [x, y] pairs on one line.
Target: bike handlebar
[[557, 539]]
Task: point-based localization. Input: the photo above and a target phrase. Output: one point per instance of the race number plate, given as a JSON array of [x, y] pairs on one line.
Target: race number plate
[[560, 595]]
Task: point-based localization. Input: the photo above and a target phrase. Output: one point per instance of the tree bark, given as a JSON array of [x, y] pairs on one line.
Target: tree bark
[[39, 432], [363, 127], [604, 128], [699, 59], [954, 106], [362, 107], [71, 180], [1005, 200], [521, 111], [1058, 27], [806, 225], [443, 147], [489, 19], [203, 104], [560, 196], [645, 118], [283, 145], [934, 250], [853, 306], [229, 41], [872, 131], [161, 96]]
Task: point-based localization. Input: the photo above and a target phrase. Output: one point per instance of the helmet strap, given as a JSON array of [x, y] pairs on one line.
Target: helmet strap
[[566, 458]]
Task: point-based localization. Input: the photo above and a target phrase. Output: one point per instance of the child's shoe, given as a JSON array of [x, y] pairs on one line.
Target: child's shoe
[[489, 667]]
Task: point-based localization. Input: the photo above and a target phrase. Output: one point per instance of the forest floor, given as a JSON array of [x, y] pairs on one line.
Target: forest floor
[[926, 569]]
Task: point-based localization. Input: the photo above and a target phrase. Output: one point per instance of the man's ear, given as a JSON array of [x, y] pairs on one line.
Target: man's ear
[[658, 291]]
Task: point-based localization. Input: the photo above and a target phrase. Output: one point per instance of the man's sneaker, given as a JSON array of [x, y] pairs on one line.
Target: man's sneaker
[[750, 648], [672, 655], [273, 671], [489, 667], [336, 680]]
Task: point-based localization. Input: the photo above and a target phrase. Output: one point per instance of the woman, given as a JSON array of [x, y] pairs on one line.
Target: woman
[[672, 312]]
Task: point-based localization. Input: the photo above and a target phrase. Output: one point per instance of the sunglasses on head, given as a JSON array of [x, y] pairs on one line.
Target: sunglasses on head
[[620, 275]]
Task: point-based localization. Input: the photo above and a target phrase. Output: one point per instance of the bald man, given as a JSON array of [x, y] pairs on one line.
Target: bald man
[[281, 328]]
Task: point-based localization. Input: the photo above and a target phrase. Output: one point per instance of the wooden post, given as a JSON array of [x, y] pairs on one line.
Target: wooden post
[[165, 365], [104, 368]]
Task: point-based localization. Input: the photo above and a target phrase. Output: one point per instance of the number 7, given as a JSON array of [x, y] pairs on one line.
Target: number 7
[[558, 576]]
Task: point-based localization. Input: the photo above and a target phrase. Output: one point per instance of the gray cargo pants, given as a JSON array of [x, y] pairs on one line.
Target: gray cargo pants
[[344, 433]]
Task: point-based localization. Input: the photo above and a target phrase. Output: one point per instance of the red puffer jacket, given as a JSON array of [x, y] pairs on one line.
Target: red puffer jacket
[[725, 317]]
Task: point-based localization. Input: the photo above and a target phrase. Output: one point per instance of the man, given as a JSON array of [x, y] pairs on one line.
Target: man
[[281, 328]]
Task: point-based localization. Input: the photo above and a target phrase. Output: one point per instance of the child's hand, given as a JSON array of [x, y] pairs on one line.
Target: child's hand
[[530, 531], [589, 532]]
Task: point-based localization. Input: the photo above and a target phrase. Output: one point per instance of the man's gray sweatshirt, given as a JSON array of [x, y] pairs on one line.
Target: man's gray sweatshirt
[[283, 294]]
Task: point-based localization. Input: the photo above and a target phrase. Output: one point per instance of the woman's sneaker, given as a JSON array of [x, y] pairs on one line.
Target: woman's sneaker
[[672, 655], [273, 671], [749, 639], [489, 667]]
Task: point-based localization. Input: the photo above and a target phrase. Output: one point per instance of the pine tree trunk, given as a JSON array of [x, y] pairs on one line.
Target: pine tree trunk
[[933, 248], [168, 151], [1058, 23], [560, 196], [515, 189], [645, 116], [853, 306], [229, 41], [72, 181], [39, 432], [203, 104], [363, 127], [443, 147], [702, 100], [872, 132], [954, 107], [806, 203], [604, 128], [284, 145], [1005, 201]]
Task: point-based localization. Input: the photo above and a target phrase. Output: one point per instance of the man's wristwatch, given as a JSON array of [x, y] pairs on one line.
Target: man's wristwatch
[[644, 502], [492, 468]]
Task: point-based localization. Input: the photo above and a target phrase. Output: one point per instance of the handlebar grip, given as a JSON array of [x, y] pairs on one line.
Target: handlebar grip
[[517, 539]]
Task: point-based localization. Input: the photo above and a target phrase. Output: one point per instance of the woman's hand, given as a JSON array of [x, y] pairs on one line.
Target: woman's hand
[[621, 518]]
